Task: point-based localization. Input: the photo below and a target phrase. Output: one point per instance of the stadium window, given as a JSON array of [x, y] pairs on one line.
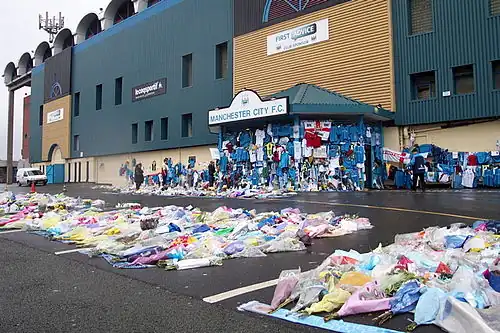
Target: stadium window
[[118, 90], [494, 7], [152, 2], [221, 61], [187, 70], [40, 116], [187, 125], [495, 67], [135, 131], [148, 130], [420, 15], [164, 128], [423, 85], [76, 108], [463, 78], [98, 97], [76, 142]]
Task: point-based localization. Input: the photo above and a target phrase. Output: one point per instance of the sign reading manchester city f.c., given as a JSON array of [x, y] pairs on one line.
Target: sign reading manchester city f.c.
[[151, 89], [248, 105]]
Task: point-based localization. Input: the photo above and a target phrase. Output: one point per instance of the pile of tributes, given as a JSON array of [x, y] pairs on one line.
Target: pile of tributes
[[173, 237], [449, 277], [457, 169], [246, 193], [308, 155]]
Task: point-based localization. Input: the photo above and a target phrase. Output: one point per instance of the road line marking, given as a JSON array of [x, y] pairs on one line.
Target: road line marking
[[240, 291], [385, 208], [73, 250], [10, 231]]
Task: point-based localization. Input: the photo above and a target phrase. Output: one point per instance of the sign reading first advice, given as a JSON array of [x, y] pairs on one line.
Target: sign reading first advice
[[305, 35], [248, 105]]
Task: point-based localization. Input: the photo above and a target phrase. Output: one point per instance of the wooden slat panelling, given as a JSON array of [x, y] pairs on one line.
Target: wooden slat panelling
[[356, 61]]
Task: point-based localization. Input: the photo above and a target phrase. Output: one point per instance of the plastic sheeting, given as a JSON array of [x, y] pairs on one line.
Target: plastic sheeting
[[443, 275]]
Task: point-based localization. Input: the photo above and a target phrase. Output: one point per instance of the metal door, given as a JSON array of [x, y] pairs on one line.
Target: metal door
[[58, 173], [49, 172]]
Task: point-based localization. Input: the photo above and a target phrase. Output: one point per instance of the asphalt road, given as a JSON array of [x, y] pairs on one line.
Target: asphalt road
[[42, 292]]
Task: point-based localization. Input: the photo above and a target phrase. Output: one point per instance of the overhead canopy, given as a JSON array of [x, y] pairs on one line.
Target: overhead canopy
[[310, 99]]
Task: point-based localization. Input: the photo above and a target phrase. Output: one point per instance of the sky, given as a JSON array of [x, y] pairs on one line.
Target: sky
[[19, 26]]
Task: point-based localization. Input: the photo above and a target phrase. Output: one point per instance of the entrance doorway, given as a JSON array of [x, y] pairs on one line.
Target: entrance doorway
[[55, 171]]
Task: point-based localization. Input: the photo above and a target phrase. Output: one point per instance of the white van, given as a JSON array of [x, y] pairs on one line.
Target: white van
[[27, 176]]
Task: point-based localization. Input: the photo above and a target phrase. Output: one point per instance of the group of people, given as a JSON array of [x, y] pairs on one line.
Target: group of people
[[177, 175]]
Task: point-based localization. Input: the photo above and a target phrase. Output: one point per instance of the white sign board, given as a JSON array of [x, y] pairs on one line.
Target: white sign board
[[248, 105], [214, 152], [54, 116], [396, 157], [305, 35]]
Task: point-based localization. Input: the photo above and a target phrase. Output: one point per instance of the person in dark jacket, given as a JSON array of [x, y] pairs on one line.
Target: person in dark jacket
[[418, 172], [138, 176], [211, 173]]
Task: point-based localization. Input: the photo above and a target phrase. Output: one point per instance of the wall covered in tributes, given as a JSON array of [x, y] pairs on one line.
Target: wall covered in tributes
[[304, 155]]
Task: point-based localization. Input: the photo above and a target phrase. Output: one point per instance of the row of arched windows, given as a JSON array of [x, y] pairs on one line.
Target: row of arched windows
[[89, 26]]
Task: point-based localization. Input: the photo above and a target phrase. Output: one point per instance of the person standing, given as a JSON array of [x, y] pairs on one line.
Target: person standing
[[138, 176], [190, 176], [418, 172], [211, 173]]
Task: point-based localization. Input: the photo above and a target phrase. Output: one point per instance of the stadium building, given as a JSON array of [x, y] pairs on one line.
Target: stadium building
[[147, 80]]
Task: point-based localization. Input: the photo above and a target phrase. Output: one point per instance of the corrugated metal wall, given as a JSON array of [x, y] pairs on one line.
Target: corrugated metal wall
[[356, 61], [463, 33], [37, 100], [248, 14], [144, 50]]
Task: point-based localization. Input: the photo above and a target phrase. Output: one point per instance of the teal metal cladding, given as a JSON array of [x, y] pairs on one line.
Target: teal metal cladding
[[144, 48], [463, 33], [37, 98]]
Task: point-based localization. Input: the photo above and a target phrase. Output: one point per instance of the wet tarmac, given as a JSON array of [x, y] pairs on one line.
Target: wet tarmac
[[391, 213]]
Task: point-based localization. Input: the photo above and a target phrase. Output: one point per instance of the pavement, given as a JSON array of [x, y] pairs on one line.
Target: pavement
[[44, 292]]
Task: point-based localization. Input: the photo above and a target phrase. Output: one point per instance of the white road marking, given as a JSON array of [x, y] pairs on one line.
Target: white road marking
[[240, 291], [73, 250], [10, 231]]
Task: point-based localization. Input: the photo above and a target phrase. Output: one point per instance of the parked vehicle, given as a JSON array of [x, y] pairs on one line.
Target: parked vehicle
[[27, 176]]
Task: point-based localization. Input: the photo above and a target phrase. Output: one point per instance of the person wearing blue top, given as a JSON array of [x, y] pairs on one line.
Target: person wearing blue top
[[418, 169]]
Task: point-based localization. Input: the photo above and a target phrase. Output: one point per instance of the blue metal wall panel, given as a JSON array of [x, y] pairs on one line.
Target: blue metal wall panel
[[37, 97], [149, 47], [463, 33]]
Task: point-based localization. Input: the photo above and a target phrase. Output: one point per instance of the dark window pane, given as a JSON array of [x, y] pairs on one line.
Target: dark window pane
[[420, 16], [76, 142], [463, 77], [118, 90], [187, 70], [187, 125], [164, 128], [495, 7], [134, 133], [77, 104], [148, 130], [40, 116], [221, 61], [496, 74], [98, 97], [423, 85]]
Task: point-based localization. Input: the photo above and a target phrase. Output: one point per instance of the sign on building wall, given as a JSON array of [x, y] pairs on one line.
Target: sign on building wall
[[148, 90], [55, 116], [248, 105], [305, 35]]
